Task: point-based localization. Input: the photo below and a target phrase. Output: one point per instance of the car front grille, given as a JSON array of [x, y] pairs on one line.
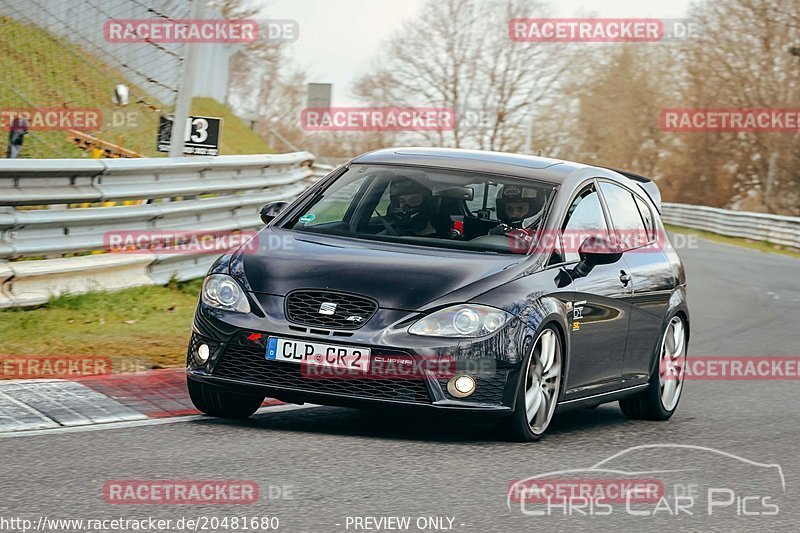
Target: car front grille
[[344, 310], [246, 360]]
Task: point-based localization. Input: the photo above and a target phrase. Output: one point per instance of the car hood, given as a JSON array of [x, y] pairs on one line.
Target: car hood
[[397, 276]]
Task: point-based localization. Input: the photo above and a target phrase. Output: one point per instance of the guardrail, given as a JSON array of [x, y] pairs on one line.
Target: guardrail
[[48, 248], [40, 234], [775, 229]]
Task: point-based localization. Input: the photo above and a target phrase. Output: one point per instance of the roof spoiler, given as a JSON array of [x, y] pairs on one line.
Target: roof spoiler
[[647, 185]]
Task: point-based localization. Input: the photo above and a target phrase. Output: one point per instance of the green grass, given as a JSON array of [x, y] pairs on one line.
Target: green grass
[[761, 246], [237, 138], [149, 322], [41, 70]]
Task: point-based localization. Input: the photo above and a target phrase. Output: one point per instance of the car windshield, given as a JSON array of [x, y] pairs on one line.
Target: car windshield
[[440, 208]]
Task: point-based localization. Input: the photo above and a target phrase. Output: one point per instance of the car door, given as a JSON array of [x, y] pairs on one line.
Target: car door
[[633, 223], [601, 307]]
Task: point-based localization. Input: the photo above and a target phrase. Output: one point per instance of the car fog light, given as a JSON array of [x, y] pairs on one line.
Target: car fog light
[[203, 353], [461, 386]]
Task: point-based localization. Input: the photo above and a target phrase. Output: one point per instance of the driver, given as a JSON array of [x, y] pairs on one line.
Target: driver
[[411, 208]]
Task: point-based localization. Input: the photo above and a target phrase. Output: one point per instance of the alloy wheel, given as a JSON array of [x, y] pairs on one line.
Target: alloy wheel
[[672, 363], [542, 381]]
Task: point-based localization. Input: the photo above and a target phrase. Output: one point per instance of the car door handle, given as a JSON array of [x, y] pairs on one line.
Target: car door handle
[[624, 277]]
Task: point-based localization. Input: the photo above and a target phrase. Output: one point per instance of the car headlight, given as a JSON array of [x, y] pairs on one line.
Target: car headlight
[[465, 320], [222, 291]]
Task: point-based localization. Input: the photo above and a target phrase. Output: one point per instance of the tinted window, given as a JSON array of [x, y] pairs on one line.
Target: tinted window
[[628, 225], [333, 207], [584, 218]]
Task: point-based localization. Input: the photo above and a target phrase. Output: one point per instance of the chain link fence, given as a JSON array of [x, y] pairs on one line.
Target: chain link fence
[[53, 54]]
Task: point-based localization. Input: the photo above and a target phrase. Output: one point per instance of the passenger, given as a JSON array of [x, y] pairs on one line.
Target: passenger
[[515, 204]]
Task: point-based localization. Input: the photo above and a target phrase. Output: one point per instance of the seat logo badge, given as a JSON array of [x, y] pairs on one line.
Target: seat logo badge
[[327, 308], [355, 318]]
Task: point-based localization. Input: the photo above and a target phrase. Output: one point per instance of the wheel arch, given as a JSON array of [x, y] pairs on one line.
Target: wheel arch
[[561, 332], [559, 323], [681, 311]]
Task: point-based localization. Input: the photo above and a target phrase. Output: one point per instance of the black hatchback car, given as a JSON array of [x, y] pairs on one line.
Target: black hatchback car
[[477, 282]]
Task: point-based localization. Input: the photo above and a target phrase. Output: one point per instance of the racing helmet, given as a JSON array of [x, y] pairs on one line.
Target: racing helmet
[[516, 203], [410, 203]]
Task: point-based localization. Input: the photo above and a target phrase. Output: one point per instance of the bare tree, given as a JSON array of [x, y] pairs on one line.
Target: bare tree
[[615, 109], [743, 60], [457, 54]]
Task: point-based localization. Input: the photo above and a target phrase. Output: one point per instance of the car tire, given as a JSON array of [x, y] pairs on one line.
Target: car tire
[[216, 402], [543, 366], [657, 402]]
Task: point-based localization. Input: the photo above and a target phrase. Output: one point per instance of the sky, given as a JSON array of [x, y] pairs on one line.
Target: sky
[[338, 38]]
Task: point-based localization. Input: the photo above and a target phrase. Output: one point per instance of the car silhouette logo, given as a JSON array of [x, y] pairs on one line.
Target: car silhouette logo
[[327, 308]]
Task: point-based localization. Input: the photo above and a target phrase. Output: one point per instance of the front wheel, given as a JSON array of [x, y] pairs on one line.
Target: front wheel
[[539, 390], [663, 393], [216, 402]]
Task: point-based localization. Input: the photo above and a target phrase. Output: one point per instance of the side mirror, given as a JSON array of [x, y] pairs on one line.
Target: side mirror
[[596, 250], [272, 210]]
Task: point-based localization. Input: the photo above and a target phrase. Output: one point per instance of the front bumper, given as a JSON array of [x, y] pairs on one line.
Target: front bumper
[[238, 363], [299, 396]]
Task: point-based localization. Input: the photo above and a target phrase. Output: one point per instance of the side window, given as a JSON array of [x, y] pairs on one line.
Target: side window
[[647, 217], [333, 207], [629, 229], [584, 218]]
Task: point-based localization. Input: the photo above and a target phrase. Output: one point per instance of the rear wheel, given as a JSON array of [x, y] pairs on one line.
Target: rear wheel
[[661, 398], [216, 402], [540, 387]]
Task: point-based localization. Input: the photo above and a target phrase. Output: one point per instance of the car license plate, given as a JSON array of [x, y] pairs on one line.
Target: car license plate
[[293, 351]]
